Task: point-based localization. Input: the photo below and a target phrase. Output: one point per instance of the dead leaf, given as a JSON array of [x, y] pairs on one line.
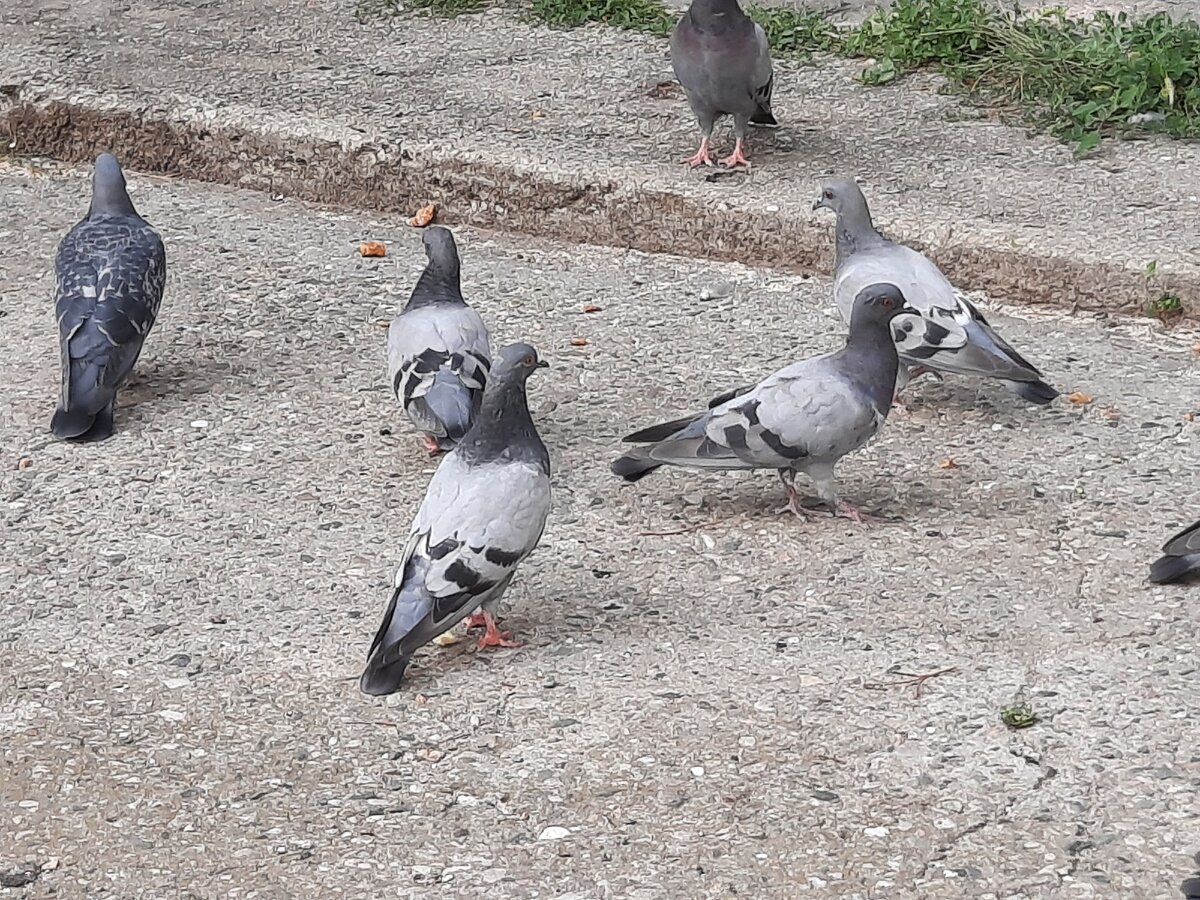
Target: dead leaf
[[382, 323], [372, 248], [24, 463], [1189, 417], [537, 114], [449, 639], [1111, 413], [1196, 347], [592, 307], [423, 216], [430, 754], [578, 342], [1079, 398], [948, 463]]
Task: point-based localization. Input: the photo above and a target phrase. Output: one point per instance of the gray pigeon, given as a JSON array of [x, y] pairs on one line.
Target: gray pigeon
[[1180, 559], [722, 59], [110, 272], [945, 333], [438, 349], [482, 515], [804, 418]]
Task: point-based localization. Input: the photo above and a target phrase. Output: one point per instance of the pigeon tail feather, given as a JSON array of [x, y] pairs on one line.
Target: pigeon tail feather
[[1169, 569], [634, 466], [1034, 391], [450, 403]]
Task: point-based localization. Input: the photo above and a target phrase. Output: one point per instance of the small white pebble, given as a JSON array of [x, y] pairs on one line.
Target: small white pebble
[[698, 771], [200, 423], [875, 831], [554, 833]]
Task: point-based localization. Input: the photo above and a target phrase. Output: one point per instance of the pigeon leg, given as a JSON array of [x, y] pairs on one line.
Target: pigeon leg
[[854, 514], [793, 504], [475, 620], [430, 444], [737, 157], [494, 636], [702, 156]]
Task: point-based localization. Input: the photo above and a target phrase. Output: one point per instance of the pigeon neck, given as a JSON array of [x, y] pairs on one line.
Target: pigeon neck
[[871, 353], [437, 284], [855, 230], [504, 429], [109, 197]]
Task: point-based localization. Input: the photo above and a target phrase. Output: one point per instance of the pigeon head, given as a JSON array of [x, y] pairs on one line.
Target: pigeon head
[[842, 196], [441, 249], [515, 363], [109, 195], [880, 303]]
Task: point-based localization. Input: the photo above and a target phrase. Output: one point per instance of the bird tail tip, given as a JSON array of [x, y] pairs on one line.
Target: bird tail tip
[[1168, 569], [379, 680], [76, 425], [1035, 391], [633, 466], [764, 118]]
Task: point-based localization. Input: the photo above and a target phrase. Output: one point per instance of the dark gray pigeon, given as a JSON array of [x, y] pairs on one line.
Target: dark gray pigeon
[[110, 272], [804, 418], [945, 333], [722, 59], [1180, 559], [439, 349], [483, 513]]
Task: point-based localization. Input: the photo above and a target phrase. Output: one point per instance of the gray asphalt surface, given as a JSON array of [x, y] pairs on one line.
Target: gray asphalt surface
[[713, 713]]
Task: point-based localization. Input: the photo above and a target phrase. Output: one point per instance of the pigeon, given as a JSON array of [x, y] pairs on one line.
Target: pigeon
[[439, 350], [803, 418], [945, 333], [1180, 559], [722, 59], [483, 513], [110, 271]]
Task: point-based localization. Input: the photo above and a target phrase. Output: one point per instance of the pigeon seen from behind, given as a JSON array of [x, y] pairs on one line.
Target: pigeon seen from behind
[[803, 418], [438, 349], [945, 332], [110, 271], [721, 57], [1181, 558], [483, 513]]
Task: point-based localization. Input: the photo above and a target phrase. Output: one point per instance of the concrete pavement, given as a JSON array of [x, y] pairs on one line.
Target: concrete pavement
[[714, 712], [577, 135]]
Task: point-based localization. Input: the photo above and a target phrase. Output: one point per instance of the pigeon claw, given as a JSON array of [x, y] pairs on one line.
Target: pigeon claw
[[494, 637], [854, 514], [475, 620], [701, 158], [430, 444], [736, 158]]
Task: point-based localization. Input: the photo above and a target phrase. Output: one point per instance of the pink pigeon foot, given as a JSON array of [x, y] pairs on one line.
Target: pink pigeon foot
[[475, 620], [702, 157], [494, 636], [737, 157], [854, 514], [431, 445]]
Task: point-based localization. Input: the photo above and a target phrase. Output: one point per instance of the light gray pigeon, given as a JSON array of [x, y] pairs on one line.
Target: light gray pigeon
[[482, 515], [945, 333], [438, 349], [803, 418], [1180, 559], [722, 59], [110, 272]]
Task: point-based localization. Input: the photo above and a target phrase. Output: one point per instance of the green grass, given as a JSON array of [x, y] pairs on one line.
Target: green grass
[[1079, 80], [1019, 716], [1167, 306]]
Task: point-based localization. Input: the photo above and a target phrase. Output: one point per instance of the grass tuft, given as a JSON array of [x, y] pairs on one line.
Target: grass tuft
[[636, 15]]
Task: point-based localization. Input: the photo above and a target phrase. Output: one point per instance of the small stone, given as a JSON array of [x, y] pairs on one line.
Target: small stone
[[876, 831], [200, 423], [698, 771], [824, 796], [554, 833]]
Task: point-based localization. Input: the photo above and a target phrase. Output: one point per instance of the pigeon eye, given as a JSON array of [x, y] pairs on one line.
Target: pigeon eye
[[888, 303], [529, 360], [829, 195]]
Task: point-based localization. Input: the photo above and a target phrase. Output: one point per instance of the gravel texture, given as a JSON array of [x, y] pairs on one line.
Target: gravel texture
[[713, 713], [577, 135]]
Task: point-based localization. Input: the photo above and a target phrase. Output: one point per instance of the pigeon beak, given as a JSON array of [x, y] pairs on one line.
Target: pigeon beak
[[818, 204], [542, 364]]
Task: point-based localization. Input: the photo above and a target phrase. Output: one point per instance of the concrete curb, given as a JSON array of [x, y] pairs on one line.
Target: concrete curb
[[475, 191]]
